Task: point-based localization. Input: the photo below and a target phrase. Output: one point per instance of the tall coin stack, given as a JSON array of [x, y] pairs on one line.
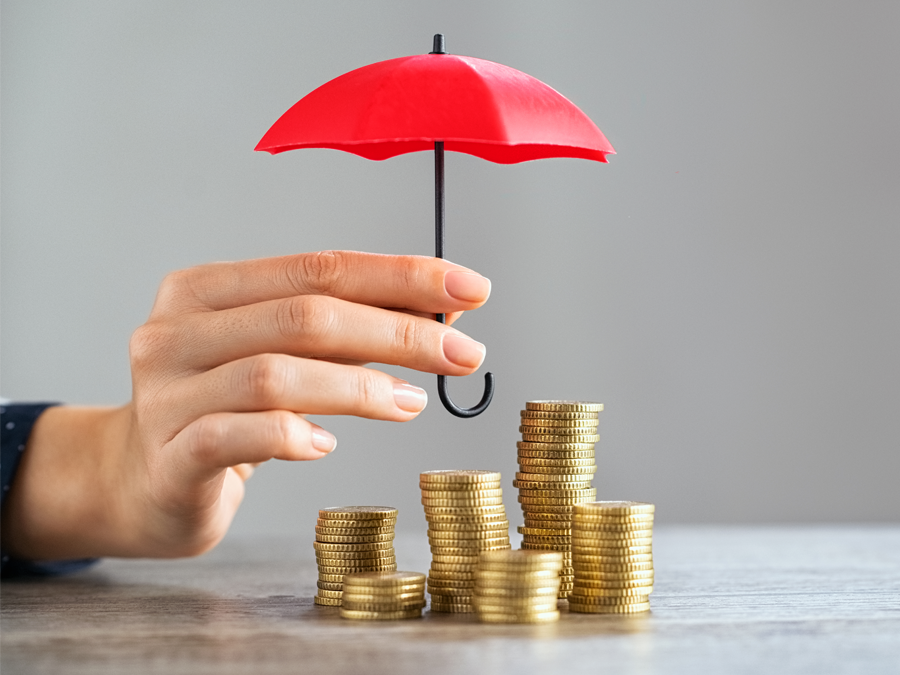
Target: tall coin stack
[[517, 586], [383, 596], [556, 467], [465, 515], [352, 539], [613, 557]]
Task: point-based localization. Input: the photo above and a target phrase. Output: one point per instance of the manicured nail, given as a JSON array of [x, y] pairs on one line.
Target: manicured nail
[[463, 351], [409, 398], [322, 440], [467, 286]]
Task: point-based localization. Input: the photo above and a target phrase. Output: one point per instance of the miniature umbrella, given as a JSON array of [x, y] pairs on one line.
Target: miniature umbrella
[[443, 102]]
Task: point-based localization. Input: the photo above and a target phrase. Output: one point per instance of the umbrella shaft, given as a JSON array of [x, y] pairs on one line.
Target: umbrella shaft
[[439, 205]]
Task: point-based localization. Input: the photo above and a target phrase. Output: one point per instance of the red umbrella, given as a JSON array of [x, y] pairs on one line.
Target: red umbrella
[[440, 101]]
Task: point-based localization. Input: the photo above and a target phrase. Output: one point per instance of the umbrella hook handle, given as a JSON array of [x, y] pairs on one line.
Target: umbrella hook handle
[[485, 401]]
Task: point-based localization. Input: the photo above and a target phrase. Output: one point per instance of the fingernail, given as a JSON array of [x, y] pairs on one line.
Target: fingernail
[[322, 440], [463, 351], [409, 398], [467, 286]]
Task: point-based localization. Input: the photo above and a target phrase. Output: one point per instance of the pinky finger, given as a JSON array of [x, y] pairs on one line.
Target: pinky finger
[[210, 444]]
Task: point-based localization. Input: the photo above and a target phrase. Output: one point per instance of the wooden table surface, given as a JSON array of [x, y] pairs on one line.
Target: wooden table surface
[[728, 600]]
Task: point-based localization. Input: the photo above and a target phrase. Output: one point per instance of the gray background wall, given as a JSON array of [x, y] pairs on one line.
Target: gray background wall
[[728, 285]]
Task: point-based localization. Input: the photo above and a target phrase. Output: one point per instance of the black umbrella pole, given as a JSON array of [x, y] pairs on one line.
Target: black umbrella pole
[[439, 253]]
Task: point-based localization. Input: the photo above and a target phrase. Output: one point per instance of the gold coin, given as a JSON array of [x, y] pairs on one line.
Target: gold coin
[[610, 508], [455, 559], [463, 550], [584, 492], [453, 608], [384, 594], [451, 591], [449, 567], [329, 557], [327, 602], [388, 579], [457, 488], [588, 592], [555, 512], [499, 608], [512, 577], [459, 476], [564, 406], [352, 531], [589, 528], [462, 503], [356, 539], [632, 608], [455, 535], [535, 470], [595, 568], [558, 431], [489, 537], [533, 539], [568, 461], [612, 584], [557, 478], [383, 606], [544, 531], [579, 559], [380, 616], [612, 538], [610, 548], [329, 585], [358, 512], [554, 501], [331, 578], [553, 485], [519, 558], [567, 415], [450, 599], [508, 617], [561, 447], [372, 546], [615, 576], [459, 576], [482, 514], [343, 571], [450, 583], [462, 494], [522, 593], [469, 527], [557, 454], [549, 423], [560, 438], [526, 546], [322, 593]]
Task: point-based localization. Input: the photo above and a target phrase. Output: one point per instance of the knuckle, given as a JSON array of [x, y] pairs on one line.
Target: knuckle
[[368, 389], [410, 274], [307, 315], [266, 380], [323, 270], [147, 343], [175, 287], [284, 430], [207, 436], [408, 334]]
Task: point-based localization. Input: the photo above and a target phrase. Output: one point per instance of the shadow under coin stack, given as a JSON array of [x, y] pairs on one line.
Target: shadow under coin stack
[[613, 557], [352, 539], [383, 596], [556, 467], [517, 586], [465, 515]]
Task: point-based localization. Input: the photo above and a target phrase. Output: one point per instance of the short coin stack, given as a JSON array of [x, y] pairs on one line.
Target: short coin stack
[[352, 539], [613, 557], [517, 586], [556, 467], [465, 515], [383, 596]]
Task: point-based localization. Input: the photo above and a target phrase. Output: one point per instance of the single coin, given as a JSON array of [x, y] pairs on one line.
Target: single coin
[[462, 494], [469, 527], [358, 512], [342, 539], [460, 576], [331, 578], [615, 576], [535, 539], [462, 550], [371, 546], [327, 602], [514, 578], [563, 447], [604, 527], [616, 508], [557, 454], [633, 608], [568, 461], [343, 571], [585, 599], [451, 591], [558, 478], [380, 616], [450, 599], [543, 531], [548, 423], [507, 617], [353, 531], [564, 406], [483, 607], [558, 431], [323, 593], [450, 567], [568, 415], [461, 503], [531, 469], [560, 438], [394, 578], [612, 584], [459, 488], [455, 535], [522, 593], [333, 557], [519, 558], [329, 585], [375, 526], [579, 559], [589, 591], [527, 546], [644, 538], [614, 568], [455, 559], [552, 501], [553, 485], [610, 549], [383, 606], [558, 493], [451, 608], [459, 476], [380, 594]]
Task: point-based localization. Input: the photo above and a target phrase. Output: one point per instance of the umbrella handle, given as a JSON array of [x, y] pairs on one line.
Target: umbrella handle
[[485, 401]]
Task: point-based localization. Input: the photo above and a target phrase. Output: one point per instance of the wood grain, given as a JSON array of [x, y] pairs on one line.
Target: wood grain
[[727, 600]]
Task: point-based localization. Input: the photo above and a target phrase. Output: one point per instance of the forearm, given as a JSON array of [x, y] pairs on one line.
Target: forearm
[[60, 505]]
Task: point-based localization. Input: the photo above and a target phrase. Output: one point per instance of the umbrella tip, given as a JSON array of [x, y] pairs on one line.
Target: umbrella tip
[[438, 44]]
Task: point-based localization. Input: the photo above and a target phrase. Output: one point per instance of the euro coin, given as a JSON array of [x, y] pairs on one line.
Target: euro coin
[[582, 591], [354, 531], [553, 477], [622, 528], [553, 485], [614, 568], [557, 454], [459, 487], [543, 532], [463, 494], [563, 446], [548, 423], [565, 406], [605, 508], [485, 510], [615, 576], [567, 415], [358, 512], [459, 476], [469, 527], [371, 546], [632, 608], [380, 616], [560, 438], [573, 461], [327, 602], [452, 608], [508, 617]]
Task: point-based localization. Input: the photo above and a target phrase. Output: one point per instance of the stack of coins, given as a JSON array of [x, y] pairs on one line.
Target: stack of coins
[[517, 586], [613, 557], [465, 515], [383, 596], [352, 539], [556, 466]]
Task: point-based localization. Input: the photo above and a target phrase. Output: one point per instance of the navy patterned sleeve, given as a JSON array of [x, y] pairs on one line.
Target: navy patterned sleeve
[[16, 422]]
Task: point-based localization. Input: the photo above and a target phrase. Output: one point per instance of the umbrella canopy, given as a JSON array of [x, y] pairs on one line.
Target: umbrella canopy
[[443, 102], [404, 105]]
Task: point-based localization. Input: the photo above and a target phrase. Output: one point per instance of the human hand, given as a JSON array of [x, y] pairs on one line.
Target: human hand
[[232, 358]]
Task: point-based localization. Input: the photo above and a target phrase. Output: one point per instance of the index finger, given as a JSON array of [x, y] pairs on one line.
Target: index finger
[[416, 283]]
